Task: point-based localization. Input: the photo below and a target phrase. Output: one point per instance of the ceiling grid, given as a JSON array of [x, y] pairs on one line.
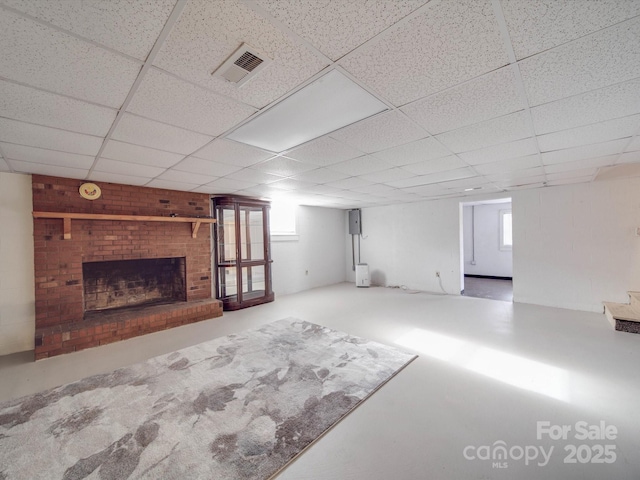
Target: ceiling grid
[[482, 97]]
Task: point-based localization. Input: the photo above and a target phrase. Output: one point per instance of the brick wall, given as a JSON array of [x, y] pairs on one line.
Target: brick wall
[[58, 262]]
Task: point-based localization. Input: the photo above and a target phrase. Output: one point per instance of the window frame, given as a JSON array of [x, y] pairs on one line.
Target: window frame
[[502, 245]]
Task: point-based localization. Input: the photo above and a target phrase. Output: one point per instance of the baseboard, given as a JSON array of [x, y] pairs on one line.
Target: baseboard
[[489, 276]]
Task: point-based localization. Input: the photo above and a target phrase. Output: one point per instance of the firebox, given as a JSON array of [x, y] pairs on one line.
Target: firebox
[[133, 283]]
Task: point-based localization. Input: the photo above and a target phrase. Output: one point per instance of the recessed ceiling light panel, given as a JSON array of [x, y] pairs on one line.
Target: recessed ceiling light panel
[[331, 102]]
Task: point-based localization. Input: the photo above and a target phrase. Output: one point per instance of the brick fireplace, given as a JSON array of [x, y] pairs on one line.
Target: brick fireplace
[[113, 279]]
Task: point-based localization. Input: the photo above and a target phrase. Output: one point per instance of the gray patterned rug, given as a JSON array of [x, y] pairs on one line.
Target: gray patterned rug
[[238, 407]]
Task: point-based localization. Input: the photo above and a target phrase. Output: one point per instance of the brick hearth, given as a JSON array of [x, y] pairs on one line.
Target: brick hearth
[[62, 326]]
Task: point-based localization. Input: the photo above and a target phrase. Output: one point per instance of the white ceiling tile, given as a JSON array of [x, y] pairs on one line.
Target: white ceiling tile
[[583, 172], [544, 24], [127, 152], [504, 177], [141, 131], [129, 27], [424, 191], [478, 188], [228, 185], [519, 148], [465, 31], [630, 157], [584, 152], [186, 177], [232, 153], [254, 176], [325, 190], [360, 165], [524, 186], [604, 58], [41, 169], [595, 106], [492, 132], [581, 164], [106, 165], [291, 184], [283, 166], [321, 175], [48, 157], [405, 196], [595, 133], [471, 195], [533, 182], [206, 167], [569, 181], [380, 132], [35, 106], [324, 151], [414, 181], [463, 183], [356, 195], [433, 166], [508, 165], [186, 105], [169, 185], [118, 178], [387, 175], [634, 145], [348, 183], [414, 152], [49, 59], [337, 27], [491, 95], [377, 189], [206, 35], [51, 138]]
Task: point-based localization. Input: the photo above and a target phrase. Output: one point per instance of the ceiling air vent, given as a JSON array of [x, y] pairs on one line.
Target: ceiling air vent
[[242, 65]]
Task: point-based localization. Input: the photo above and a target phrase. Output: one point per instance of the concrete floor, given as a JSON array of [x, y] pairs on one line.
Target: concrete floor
[[488, 372], [492, 288]]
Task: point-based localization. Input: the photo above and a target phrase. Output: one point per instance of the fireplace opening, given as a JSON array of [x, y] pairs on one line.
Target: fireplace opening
[[133, 283]]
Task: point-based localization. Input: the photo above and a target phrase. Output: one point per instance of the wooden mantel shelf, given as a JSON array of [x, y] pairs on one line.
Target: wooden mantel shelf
[[67, 217]]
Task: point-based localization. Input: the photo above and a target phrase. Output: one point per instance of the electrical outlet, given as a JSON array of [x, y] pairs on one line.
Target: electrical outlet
[[437, 274]]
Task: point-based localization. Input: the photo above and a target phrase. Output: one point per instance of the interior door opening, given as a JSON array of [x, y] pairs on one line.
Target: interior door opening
[[486, 251]]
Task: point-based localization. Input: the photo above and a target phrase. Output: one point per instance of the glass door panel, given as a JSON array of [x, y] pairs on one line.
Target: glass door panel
[[253, 282], [252, 233], [228, 282], [226, 229]]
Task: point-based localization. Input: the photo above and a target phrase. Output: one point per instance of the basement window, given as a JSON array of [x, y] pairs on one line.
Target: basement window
[[282, 221], [506, 230]]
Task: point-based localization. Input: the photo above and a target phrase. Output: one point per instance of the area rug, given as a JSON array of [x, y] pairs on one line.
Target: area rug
[[237, 407]]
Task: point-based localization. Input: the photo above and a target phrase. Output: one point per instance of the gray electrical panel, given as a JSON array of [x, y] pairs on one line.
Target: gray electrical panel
[[355, 228]]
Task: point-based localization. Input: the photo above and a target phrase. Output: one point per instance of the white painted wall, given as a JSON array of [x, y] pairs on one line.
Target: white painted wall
[[406, 245], [489, 259], [17, 296], [574, 246], [316, 257]]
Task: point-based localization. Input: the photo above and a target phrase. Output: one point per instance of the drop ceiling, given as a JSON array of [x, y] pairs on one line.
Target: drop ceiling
[[490, 95]]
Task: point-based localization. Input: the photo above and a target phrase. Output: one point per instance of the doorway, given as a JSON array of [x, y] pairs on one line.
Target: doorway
[[486, 249]]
